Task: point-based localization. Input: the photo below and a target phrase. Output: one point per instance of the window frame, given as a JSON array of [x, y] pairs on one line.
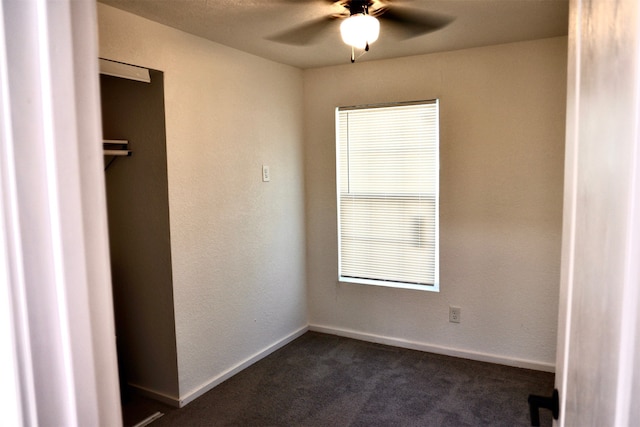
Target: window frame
[[435, 287]]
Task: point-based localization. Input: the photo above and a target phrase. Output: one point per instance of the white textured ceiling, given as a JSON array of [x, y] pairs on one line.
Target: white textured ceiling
[[247, 25]]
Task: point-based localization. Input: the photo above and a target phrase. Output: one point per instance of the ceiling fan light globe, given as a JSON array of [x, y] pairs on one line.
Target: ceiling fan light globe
[[359, 30]]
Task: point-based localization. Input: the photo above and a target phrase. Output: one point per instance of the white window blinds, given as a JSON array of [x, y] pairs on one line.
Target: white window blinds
[[388, 164]]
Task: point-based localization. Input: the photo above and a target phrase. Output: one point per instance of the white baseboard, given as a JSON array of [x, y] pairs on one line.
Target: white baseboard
[[156, 395], [396, 342], [412, 345], [199, 391]]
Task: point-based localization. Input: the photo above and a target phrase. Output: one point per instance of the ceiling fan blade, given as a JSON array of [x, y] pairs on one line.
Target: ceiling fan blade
[[306, 33], [307, 1], [413, 22]]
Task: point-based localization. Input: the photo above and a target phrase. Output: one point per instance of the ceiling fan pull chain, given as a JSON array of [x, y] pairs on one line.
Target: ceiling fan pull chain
[[353, 55], [366, 48]]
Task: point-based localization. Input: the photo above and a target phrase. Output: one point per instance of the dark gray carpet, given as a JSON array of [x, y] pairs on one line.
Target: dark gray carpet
[[324, 380]]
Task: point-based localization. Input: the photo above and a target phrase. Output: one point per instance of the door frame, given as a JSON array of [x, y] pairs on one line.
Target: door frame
[[54, 257], [78, 281], [597, 372]]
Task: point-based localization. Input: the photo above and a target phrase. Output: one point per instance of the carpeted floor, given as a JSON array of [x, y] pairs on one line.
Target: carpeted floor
[[324, 380]]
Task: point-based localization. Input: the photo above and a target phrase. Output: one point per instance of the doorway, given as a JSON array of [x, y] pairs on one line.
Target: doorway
[[139, 237]]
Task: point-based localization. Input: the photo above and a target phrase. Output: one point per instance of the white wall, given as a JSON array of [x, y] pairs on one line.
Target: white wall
[[502, 151], [237, 243]]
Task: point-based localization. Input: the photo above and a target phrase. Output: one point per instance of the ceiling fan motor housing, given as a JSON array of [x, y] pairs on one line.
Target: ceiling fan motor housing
[[358, 6]]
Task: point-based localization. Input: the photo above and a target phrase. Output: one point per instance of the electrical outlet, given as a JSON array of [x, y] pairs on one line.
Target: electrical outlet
[[266, 173], [454, 314]]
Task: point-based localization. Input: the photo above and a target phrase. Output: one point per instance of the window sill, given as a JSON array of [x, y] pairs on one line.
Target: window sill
[[397, 285]]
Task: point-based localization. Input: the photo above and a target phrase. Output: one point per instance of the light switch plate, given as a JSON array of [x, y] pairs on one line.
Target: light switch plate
[[266, 173]]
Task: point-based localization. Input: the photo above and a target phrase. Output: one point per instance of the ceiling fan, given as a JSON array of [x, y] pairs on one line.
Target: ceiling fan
[[360, 24]]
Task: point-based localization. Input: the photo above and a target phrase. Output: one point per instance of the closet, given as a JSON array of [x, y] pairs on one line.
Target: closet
[[135, 157]]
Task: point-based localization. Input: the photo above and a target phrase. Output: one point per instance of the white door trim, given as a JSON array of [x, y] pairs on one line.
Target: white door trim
[[598, 353], [59, 332]]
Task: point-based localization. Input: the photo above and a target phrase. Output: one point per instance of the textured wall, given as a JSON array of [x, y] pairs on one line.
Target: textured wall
[[502, 151], [237, 244]]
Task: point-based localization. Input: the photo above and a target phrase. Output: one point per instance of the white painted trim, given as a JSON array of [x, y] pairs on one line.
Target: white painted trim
[[149, 419], [124, 71], [598, 334], [202, 389], [55, 245], [430, 348], [156, 395], [570, 204], [17, 395]]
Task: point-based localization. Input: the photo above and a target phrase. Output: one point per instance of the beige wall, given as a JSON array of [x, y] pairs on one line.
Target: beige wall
[[502, 150], [237, 244]]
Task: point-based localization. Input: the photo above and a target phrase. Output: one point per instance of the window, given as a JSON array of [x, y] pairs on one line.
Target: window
[[388, 166]]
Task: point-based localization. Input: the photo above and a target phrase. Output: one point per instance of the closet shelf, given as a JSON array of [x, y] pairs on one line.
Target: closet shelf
[[115, 147], [117, 152]]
